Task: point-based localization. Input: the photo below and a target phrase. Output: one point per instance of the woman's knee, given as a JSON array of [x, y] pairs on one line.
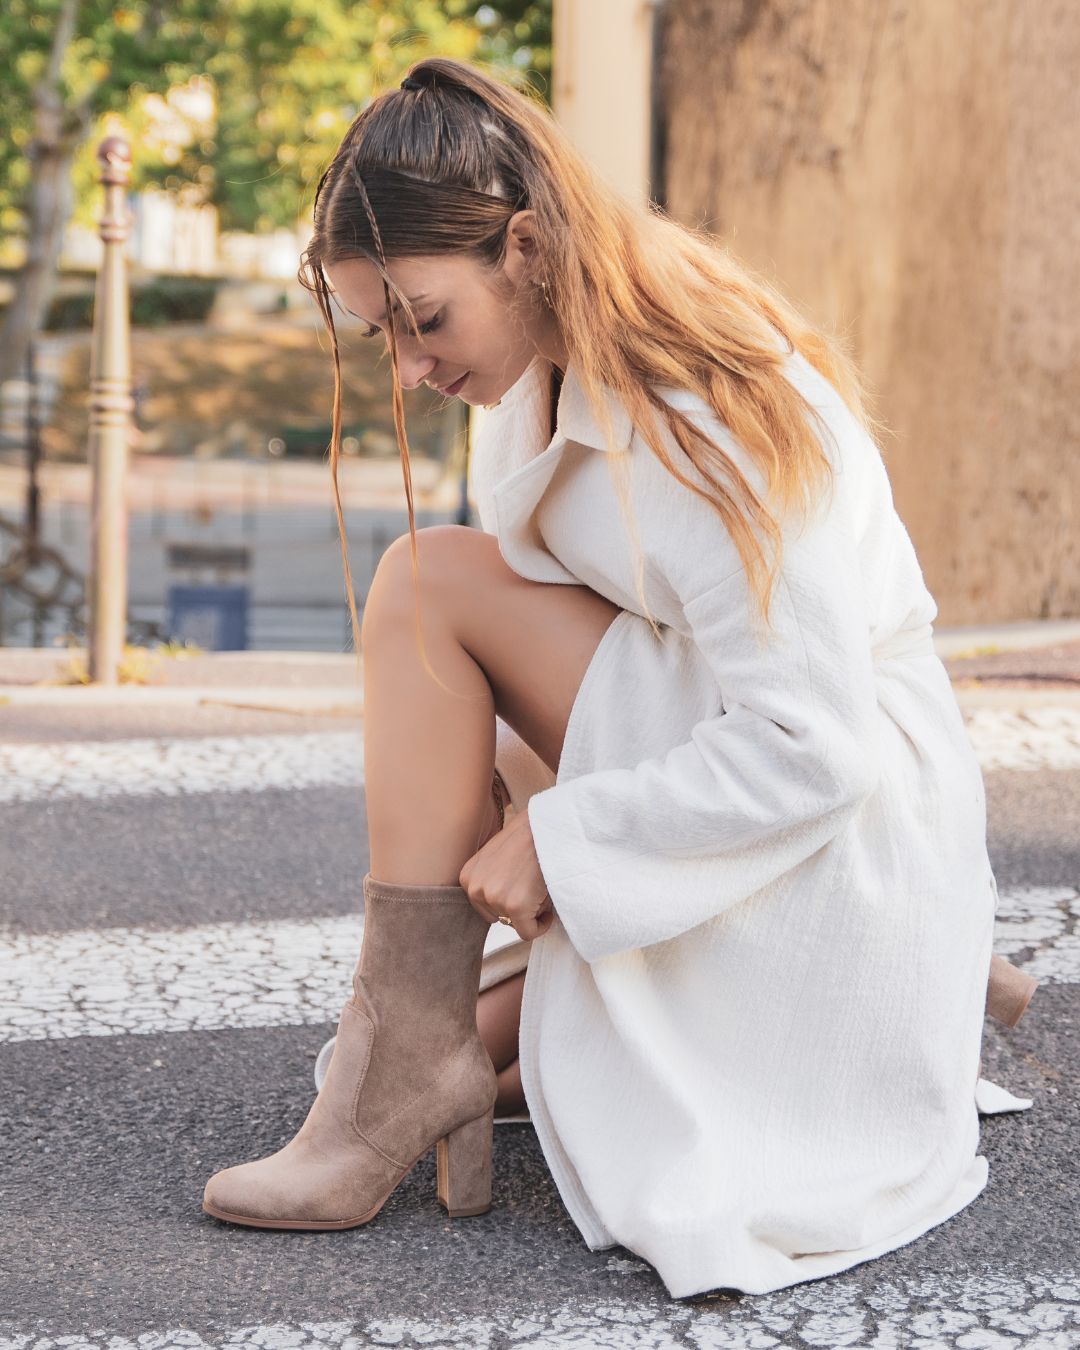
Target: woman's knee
[[448, 557]]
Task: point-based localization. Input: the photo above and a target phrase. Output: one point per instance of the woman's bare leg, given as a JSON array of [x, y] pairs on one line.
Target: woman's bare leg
[[518, 649], [498, 1016], [508, 646], [511, 1096]]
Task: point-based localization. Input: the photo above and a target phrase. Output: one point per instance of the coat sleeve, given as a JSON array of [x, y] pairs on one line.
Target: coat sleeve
[[638, 855]]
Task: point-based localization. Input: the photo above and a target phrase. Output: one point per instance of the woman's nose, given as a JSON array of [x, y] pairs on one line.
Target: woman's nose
[[413, 365]]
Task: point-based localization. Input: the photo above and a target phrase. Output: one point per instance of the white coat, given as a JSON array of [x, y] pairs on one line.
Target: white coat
[[749, 1043]]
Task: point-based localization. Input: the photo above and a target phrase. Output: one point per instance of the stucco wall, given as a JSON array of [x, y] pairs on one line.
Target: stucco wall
[[909, 174], [606, 115]]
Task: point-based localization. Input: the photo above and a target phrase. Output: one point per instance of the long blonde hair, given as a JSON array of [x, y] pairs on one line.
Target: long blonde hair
[[641, 301]]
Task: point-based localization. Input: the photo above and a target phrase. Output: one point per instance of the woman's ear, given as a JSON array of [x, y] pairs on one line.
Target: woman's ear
[[520, 254]]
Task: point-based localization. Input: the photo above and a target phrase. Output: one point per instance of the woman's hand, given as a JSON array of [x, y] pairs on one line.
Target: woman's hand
[[505, 878]]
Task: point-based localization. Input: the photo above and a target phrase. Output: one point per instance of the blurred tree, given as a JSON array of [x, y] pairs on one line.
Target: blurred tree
[[66, 63], [287, 77], [298, 71]]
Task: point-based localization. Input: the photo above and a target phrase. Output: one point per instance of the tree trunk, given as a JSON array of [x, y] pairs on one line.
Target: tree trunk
[[58, 132], [909, 175]]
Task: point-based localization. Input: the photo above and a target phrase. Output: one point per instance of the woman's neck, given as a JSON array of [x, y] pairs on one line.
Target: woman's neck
[[550, 345]]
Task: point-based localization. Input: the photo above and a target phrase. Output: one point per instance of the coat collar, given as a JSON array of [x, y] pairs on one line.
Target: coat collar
[[575, 420]]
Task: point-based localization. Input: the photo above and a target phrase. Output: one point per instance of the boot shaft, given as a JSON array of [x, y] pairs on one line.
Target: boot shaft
[[433, 939]]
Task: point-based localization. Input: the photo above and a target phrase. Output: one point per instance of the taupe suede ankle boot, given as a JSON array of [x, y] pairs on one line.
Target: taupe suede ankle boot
[[1008, 991], [409, 1070]]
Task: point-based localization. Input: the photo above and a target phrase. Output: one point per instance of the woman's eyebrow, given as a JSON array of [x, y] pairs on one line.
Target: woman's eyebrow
[[412, 299]]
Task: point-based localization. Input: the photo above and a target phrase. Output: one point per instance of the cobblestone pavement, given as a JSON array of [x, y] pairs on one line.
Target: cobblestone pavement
[[140, 1053]]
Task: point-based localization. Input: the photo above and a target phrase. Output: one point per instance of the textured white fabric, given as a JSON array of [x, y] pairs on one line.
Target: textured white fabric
[[750, 1042]]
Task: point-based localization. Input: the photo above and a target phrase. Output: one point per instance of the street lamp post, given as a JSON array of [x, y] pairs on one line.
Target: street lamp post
[[111, 405]]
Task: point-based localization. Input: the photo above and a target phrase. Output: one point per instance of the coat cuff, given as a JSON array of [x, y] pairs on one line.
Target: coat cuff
[[573, 872]]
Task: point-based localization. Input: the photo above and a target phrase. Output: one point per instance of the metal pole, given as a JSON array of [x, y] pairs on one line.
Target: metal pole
[[33, 451], [110, 422]]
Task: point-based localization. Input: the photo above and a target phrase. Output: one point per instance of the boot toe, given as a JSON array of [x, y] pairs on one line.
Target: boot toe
[[247, 1192], [280, 1191], [225, 1192]]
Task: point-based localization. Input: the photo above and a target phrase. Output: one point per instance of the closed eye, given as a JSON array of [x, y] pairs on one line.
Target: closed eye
[[424, 328]]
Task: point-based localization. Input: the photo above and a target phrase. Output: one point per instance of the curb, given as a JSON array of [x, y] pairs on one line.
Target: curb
[[1004, 637], [263, 698], [1018, 700], [343, 699], [344, 702]]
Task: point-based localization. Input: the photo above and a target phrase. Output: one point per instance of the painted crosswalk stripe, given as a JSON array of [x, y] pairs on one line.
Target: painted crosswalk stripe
[[171, 767], [138, 981], [141, 980], [990, 1311], [1032, 739], [1039, 738]]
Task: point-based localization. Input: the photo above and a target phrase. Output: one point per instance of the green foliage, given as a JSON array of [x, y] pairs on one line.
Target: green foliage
[[173, 300], [517, 34], [119, 53], [163, 300], [288, 76]]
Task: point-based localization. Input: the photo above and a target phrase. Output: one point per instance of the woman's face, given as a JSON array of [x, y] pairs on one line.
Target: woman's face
[[479, 329]]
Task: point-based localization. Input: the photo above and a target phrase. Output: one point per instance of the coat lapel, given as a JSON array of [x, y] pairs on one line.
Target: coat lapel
[[517, 496]]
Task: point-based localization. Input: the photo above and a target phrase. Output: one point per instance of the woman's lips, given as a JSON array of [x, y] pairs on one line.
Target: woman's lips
[[456, 386]]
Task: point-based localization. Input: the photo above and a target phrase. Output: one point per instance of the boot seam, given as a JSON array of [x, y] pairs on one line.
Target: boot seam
[[376, 1149], [447, 1066], [367, 1059]]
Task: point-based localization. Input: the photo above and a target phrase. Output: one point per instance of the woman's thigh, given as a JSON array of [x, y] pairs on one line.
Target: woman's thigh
[[498, 1019], [533, 640]]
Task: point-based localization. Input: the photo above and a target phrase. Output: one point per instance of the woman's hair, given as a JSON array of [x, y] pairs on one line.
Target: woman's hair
[[440, 167]]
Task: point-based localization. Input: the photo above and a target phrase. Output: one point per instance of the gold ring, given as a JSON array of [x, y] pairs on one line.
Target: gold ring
[[505, 918]]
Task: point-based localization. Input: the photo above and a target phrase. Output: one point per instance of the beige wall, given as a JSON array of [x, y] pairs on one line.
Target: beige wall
[[909, 173], [601, 85]]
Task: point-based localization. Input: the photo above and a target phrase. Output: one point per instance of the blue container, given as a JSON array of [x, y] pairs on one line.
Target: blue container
[[214, 617]]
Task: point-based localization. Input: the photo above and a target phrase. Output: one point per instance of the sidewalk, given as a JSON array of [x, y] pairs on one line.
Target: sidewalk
[[1015, 665], [326, 683]]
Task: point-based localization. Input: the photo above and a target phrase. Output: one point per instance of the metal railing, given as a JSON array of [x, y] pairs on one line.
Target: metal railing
[[40, 589]]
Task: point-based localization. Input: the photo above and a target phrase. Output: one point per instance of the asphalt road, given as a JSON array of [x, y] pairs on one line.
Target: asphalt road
[[111, 1124]]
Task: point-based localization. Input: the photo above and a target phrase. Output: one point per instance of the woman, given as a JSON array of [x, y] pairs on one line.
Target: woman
[[757, 892]]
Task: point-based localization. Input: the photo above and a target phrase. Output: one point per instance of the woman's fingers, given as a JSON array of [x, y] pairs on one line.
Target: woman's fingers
[[483, 910], [503, 880], [535, 921], [529, 921]]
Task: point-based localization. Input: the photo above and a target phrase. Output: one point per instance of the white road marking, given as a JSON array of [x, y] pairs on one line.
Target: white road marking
[[170, 767], [1037, 929], [140, 980], [137, 981], [1040, 738], [1039, 1311], [1036, 738]]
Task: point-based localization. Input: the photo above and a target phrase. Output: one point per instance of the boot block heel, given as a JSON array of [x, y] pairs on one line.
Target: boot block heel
[[463, 1167], [1009, 991]]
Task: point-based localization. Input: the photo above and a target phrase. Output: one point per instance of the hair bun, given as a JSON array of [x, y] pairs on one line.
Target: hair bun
[[413, 82]]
